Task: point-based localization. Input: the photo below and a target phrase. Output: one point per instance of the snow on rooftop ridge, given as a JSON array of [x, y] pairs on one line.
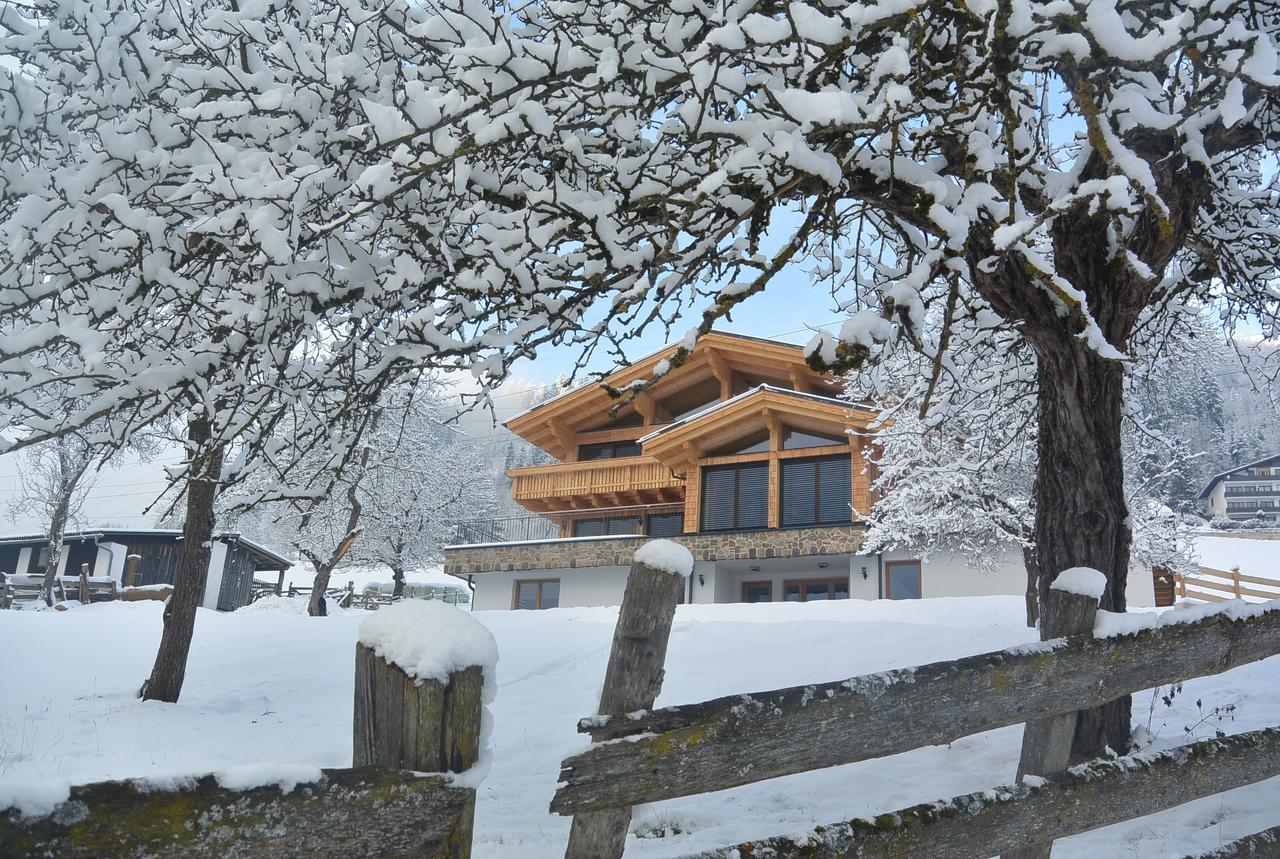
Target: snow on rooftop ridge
[[1084, 581], [667, 556], [430, 640]]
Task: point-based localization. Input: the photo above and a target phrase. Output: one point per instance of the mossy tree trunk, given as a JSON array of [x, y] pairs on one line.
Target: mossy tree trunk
[[170, 669]]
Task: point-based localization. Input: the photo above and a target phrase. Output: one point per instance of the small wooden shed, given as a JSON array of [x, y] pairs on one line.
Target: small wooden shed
[[228, 581]]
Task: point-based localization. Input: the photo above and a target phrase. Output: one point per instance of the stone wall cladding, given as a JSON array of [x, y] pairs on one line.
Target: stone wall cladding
[[617, 551]]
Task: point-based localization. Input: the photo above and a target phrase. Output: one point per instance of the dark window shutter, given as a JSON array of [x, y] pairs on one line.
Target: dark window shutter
[[753, 495], [666, 524], [834, 485], [718, 487], [799, 487]]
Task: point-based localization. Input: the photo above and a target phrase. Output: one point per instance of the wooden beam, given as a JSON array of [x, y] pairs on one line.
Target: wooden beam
[[1093, 795], [799, 380], [722, 743], [357, 812], [567, 440], [720, 369]]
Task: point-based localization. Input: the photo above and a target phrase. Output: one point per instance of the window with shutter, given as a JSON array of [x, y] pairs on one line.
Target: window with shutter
[[816, 491], [735, 496]]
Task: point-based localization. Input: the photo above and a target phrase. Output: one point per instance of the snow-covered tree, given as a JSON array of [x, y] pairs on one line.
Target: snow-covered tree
[[424, 482], [54, 481], [474, 181]]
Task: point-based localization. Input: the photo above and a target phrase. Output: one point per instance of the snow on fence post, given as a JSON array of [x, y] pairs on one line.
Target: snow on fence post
[[633, 678], [1069, 609], [424, 673]]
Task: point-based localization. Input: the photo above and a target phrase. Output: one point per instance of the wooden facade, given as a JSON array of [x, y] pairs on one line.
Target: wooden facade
[[735, 401]]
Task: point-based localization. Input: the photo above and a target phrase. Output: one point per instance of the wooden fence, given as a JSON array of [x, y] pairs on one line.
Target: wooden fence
[[383, 806], [1221, 585], [741, 739]]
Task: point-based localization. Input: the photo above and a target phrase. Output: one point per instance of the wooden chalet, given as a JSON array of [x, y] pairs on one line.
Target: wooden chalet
[[740, 411]]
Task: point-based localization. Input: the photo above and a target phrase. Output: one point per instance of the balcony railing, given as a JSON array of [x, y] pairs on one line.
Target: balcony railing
[[655, 520], [626, 476]]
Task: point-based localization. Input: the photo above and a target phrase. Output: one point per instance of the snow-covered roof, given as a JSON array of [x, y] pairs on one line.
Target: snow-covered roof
[[1213, 481], [764, 388], [256, 548], [670, 348]]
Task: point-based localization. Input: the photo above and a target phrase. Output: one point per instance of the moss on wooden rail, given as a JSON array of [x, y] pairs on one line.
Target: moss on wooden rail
[[357, 812], [1084, 798], [741, 739]]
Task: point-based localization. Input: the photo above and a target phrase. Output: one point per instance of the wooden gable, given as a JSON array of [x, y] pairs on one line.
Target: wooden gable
[[720, 367]]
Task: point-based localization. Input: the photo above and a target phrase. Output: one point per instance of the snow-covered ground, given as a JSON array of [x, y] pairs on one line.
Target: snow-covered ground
[[1254, 557], [268, 685]]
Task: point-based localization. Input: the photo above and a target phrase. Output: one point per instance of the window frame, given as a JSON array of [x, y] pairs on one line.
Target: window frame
[[829, 581], [515, 593], [756, 583], [904, 562]]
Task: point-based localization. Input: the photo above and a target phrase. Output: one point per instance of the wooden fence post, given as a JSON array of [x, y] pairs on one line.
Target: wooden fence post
[[130, 570], [422, 725], [1046, 743], [631, 682], [280, 583], [1235, 582], [84, 584]]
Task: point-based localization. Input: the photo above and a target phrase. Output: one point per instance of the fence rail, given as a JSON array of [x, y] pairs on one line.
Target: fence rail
[[1001, 820], [1213, 585], [741, 739]]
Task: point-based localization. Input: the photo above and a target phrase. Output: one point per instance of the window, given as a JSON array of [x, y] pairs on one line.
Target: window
[[664, 524], [735, 496], [794, 439], [811, 590], [606, 526], [757, 591], [756, 442], [608, 450], [902, 580], [39, 560], [816, 491], [538, 593]]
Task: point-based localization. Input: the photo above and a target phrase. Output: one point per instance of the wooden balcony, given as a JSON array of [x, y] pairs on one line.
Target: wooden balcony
[[631, 480]]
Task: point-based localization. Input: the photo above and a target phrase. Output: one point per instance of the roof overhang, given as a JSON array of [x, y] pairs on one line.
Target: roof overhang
[[678, 446], [551, 425]]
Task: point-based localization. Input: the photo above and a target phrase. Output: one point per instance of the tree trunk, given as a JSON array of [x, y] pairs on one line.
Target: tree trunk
[[1033, 586], [397, 576], [56, 527], [317, 606], [1081, 514], [170, 669]]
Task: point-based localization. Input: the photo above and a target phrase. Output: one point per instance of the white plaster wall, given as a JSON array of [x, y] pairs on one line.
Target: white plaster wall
[[949, 574], [1218, 500], [592, 586], [945, 574], [704, 582]]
